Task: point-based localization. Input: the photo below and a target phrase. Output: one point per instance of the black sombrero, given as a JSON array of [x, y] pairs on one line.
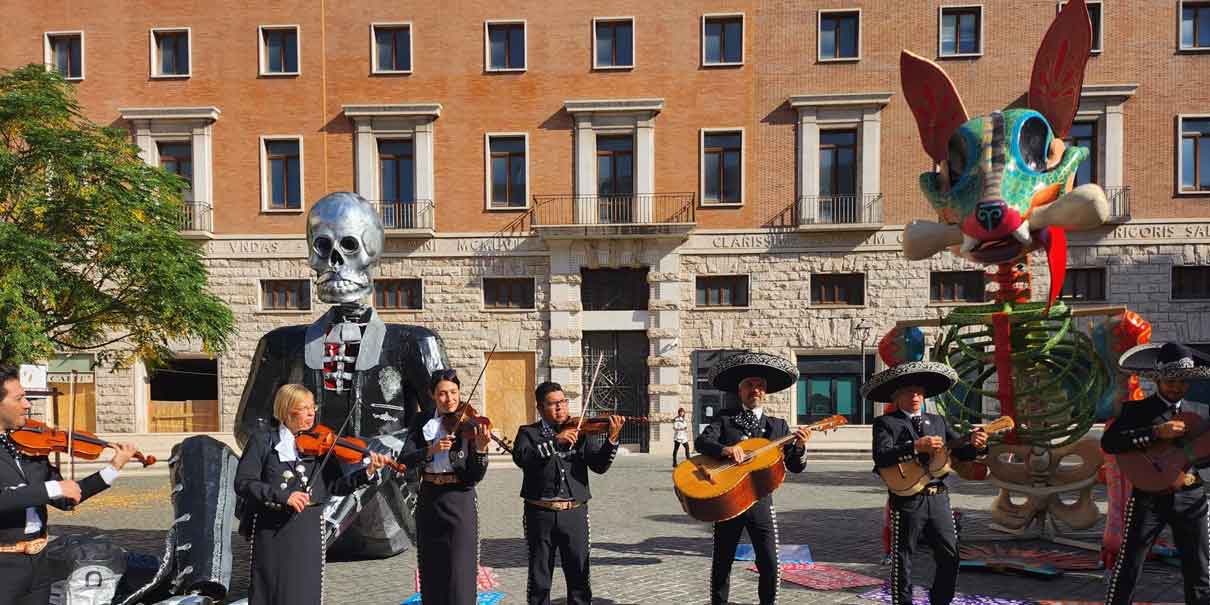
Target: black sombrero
[[935, 378], [779, 374], [1167, 361]]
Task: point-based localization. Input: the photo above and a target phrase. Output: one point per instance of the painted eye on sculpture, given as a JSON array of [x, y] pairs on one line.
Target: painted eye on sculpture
[[957, 158], [348, 243], [323, 246], [1032, 143]]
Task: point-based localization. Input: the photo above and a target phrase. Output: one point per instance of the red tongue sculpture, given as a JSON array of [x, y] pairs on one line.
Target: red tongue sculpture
[[1054, 239]]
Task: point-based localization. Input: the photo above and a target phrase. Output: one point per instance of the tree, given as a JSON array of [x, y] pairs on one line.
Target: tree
[[90, 254]]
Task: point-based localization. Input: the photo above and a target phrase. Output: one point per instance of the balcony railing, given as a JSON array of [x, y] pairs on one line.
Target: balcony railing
[[198, 217], [860, 209], [633, 209], [405, 215], [1119, 203]]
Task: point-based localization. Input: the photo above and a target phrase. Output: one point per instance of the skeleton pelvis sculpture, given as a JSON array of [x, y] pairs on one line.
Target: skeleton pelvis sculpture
[[1042, 476], [369, 377]]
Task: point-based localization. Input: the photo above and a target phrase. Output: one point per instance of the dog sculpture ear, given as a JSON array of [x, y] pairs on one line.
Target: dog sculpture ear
[[934, 101], [1058, 74]]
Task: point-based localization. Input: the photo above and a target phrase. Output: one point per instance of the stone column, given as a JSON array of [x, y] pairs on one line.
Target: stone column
[[808, 163], [584, 209], [363, 158], [644, 168], [565, 330], [663, 330]]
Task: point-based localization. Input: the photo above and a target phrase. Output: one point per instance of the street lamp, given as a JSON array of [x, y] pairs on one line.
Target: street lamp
[[862, 329]]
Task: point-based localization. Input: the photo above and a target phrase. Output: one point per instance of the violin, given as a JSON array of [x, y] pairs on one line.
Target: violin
[[35, 438], [465, 419], [597, 424], [319, 440]]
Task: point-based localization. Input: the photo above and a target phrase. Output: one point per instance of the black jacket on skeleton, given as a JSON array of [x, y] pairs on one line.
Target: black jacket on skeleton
[[545, 463]]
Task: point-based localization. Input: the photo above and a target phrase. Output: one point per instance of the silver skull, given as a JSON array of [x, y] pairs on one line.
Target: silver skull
[[346, 237]]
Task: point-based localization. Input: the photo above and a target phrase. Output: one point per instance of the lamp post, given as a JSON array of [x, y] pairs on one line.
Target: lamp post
[[862, 329]]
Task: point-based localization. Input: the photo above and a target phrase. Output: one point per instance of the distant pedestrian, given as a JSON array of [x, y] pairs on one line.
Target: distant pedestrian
[[680, 435]]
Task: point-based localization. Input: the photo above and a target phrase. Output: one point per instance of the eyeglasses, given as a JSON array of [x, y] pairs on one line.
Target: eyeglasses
[[555, 403]]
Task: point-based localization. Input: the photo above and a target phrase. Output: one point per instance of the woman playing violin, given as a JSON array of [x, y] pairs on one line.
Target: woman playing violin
[[28, 483], [451, 447], [283, 491]]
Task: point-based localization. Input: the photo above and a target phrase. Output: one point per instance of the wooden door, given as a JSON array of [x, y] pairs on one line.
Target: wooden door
[[85, 402], [509, 392]]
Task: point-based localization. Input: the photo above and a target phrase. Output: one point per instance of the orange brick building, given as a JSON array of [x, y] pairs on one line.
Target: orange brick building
[[655, 182]]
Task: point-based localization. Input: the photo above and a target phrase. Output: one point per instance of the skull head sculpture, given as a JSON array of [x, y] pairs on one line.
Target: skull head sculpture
[[346, 237]]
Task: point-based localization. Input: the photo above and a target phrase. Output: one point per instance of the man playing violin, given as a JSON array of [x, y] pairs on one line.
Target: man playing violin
[[904, 435], [27, 485], [554, 456], [752, 376]]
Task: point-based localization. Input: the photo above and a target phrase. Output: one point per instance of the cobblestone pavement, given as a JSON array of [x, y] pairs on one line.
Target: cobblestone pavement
[[644, 549]]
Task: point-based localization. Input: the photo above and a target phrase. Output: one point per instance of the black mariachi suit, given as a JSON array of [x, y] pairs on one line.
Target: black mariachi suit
[[23, 577], [447, 520], [1148, 513], [760, 520], [911, 516], [552, 473], [287, 547]]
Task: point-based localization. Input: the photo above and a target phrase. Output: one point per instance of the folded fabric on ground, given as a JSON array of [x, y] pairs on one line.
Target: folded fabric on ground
[[818, 576], [486, 578], [485, 598], [786, 553]]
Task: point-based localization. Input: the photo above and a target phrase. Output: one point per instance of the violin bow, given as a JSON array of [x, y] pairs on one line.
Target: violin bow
[[320, 469], [588, 399], [474, 388]]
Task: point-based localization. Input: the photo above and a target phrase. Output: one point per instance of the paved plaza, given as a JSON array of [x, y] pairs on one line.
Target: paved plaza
[[645, 550]]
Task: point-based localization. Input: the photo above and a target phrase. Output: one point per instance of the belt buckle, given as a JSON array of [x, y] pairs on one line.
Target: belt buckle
[[1190, 479]]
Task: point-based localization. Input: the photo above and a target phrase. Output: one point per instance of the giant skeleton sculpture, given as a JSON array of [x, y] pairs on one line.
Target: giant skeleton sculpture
[[369, 379], [1003, 188]]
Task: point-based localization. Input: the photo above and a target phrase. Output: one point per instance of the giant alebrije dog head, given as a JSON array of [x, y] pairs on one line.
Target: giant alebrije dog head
[[1003, 185]]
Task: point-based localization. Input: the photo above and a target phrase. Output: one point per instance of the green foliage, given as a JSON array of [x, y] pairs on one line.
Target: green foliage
[[90, 254]]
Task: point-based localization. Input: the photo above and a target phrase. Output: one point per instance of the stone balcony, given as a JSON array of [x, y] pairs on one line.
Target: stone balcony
[[406, 218], [859, 212], [630, 216]]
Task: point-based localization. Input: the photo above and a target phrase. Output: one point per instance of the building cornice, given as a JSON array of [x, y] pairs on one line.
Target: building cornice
[[169, 113], [614, 106], [1118, 92], [847, 99], [401, 110]]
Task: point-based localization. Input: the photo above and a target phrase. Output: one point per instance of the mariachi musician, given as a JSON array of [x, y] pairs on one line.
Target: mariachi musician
[[555, 460], [908, 434], [27, 485], [752, 376], [1142, 423]]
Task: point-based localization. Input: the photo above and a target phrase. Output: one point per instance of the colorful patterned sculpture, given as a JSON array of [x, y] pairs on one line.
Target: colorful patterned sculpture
[[1003, 188]]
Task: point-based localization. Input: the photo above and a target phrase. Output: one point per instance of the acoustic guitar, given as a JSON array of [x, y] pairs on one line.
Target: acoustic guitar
[[717, 489], [908, 478], [1160, 468]]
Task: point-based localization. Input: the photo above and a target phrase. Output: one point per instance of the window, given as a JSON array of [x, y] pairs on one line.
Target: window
[[613, 43], [831, 384], [279, 51], [839, 35], [1195, 25], [392, 43], [961, 31], [1195, 154], [722, 171], [837, 163], [397, 183], [177, 157], [507, 168], [506, 46], [169, 53], [1084, 134], [614, 289], [723, 40], [838, 289], [1190, 282], [283, 164], [722, 290], [615, 178], [1083, 285], [64, 52], [285, 294], [956, 286], [397, 294], [508, 293]]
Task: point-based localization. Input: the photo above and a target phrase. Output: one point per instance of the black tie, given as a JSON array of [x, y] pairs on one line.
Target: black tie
[[918, 424], [747, 421]]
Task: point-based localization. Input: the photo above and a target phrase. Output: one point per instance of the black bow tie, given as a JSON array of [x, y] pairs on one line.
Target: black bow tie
[[747, 421]]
